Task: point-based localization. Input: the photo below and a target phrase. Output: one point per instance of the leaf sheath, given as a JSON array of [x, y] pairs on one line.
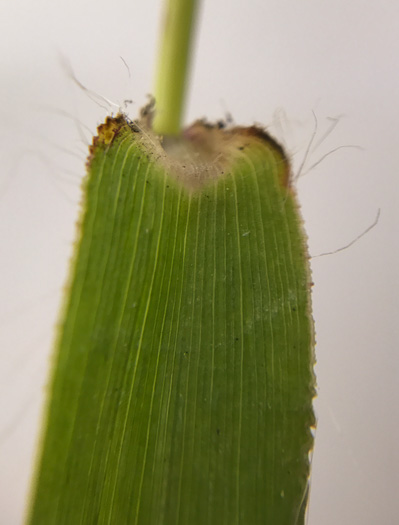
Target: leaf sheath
[[183, 374]]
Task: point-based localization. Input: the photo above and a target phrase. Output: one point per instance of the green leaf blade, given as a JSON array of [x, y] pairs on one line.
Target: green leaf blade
[[183, 382]]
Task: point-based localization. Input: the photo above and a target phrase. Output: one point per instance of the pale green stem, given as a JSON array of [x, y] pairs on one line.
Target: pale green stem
[[173, 65]]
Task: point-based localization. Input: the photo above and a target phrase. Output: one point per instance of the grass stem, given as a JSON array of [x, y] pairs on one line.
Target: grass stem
[[173, 65]]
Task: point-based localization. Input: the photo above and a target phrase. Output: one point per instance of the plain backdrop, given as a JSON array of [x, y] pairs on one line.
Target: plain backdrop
[[275, 62]]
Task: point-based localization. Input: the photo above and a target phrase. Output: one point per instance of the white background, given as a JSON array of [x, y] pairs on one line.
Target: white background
[[273, 62]]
